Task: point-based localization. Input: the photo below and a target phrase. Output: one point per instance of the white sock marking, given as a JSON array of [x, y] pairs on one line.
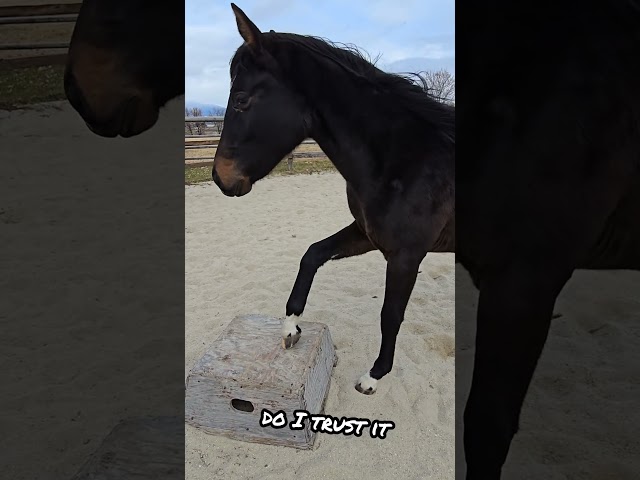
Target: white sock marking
[[366, 382], [289, 326]]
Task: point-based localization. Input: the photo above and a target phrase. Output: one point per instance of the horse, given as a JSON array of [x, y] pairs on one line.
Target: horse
[[548, 181], [393, 143], [125, 62]]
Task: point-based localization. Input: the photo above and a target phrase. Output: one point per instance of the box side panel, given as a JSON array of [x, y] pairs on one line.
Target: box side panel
[[209, 407], [318, 380], [248, 363]]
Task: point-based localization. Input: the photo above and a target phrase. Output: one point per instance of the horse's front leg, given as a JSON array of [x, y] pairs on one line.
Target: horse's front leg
[[348, 242], [402, 271], [514, 314]]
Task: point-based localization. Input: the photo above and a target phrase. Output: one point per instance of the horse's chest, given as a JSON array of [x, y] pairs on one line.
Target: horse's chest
[[365, 218], [358, 211]]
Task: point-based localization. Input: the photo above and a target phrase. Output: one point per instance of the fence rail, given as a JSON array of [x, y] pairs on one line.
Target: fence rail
[[39, 10], [37, 14], [33, 46], [23, 20], [203, 119], [208, 141], [216, 140]]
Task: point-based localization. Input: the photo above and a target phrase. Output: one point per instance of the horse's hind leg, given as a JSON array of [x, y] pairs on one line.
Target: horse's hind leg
[[348, 242], [402, 271], [514, 314]]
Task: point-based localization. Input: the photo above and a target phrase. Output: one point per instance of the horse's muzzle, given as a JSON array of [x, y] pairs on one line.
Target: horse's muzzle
[[228, 179], [115, 116]]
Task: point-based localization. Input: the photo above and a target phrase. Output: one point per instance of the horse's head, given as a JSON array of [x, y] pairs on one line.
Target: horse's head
[[125, 61], [265, 117]]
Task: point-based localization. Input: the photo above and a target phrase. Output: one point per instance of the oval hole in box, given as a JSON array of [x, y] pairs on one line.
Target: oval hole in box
[[242, 405]]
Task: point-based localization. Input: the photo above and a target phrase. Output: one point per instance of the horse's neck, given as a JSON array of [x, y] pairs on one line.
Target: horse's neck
[[346, 147]]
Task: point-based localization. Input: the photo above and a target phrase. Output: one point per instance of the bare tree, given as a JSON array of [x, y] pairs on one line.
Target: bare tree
[[440, 84], [217, 112], [188, 125], [200, 126]]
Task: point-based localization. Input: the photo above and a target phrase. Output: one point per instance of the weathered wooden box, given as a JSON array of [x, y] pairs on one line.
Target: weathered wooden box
[[247, 370]]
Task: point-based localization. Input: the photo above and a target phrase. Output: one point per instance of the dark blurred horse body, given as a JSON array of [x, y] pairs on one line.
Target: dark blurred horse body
[[393, 144], [548, 181]]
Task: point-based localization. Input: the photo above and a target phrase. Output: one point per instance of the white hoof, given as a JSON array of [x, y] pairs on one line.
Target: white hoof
[[366, 384], [290, 331]]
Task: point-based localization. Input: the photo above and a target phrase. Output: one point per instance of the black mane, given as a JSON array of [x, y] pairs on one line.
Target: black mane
[[409, 89]]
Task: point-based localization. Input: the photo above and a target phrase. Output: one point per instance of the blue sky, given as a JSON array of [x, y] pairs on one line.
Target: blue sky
[[409, 35]]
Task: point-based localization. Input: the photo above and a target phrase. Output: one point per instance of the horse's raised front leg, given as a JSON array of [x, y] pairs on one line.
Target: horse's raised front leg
[[348, 242], [402, 270], [514, 314]]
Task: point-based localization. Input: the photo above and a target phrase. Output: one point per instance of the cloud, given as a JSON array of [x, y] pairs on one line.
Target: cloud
[[433, 51], [409, 36], [265, 9], [420, 64], [207, 54], [390, 12]]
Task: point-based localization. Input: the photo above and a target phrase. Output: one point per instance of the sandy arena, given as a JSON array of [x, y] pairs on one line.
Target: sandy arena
[[242, 256]]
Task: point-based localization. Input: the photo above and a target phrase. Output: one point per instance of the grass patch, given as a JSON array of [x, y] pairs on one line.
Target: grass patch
[[29, 85], [197, 175], [300, 167]]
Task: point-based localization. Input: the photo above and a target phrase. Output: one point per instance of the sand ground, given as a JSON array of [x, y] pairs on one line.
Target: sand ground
[[70, 295], [242, 256]]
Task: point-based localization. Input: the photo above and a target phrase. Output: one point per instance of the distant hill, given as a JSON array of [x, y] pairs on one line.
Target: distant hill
[[207, 108]]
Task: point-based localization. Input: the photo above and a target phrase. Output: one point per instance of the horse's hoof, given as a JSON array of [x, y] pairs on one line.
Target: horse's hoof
[[290, 340], [368, 391], [367, 385], [290, 332]]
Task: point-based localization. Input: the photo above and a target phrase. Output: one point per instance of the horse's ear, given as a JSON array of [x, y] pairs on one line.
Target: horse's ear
[[247, 29]]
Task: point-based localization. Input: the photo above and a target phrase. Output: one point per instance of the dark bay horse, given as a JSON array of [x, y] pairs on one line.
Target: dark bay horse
[[125, 61], [393, 143], [548, 181]]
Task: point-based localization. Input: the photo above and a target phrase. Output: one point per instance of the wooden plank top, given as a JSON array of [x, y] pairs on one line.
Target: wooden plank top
[[249, 353]]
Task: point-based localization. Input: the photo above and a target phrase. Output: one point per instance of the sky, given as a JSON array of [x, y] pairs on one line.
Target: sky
[[408, 35]]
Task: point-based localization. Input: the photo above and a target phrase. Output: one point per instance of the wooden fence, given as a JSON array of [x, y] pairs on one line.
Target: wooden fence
[[207, 126], [210, 142], [11, 15]]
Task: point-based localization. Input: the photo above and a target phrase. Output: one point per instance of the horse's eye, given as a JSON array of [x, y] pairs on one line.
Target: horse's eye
[[241, 101]]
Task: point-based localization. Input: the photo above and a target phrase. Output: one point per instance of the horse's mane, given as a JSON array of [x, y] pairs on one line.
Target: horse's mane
[[409, 89]]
